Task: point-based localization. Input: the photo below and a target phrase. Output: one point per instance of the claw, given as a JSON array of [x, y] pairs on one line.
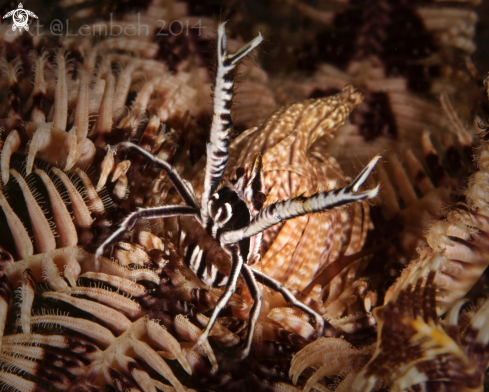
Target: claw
[[357, 182], [299, 206]]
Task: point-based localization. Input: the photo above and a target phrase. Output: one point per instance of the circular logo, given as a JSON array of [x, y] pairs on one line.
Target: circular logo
[[20, 17]]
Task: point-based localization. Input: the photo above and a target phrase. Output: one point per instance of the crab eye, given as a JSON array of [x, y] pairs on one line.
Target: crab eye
[[239, 172], [259, 199]]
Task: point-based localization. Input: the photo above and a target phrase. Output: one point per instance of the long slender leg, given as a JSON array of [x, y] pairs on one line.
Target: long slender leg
[[183, 187], [285, 210], [257, 296], [217, 149], [229, 289], [146, 213], [289, 297]]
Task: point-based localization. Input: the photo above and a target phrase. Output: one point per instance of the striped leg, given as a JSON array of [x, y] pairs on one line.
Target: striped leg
[[229, 289], [217, 149], [288, 209], [146, 213], [183, 187], [257, 296], [290, 298]]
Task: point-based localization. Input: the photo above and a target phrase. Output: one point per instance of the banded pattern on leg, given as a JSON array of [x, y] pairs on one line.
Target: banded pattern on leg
[[229, 289], [217, 149], [183, 188], [230, 221], [290, 298], [146, 213], [299, 206]]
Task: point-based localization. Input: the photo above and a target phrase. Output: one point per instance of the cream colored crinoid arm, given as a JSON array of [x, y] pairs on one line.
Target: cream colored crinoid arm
[[462, 236]]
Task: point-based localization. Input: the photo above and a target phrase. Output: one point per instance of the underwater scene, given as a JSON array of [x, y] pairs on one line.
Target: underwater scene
[[224, 195]]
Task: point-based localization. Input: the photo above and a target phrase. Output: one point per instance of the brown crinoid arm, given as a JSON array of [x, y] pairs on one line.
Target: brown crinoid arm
[[415, 350], [461, 237], [118, 329]]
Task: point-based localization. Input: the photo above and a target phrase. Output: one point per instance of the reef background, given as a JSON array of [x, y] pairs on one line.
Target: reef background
[[288, 67]]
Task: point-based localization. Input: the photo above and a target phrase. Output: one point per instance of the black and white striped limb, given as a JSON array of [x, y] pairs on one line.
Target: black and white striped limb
[[234, 214], [289, 209], [289, 297], [248, 274], [229, 290], [220, 135], [144, 213], [183, 187]]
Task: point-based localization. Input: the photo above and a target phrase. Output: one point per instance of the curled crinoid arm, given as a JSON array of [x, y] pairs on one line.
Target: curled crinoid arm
[[225, 214], [461, 237], [274, 214], [278, 212]]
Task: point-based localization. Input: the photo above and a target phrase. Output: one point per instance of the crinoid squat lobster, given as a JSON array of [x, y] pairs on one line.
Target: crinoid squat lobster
[[233, 215]]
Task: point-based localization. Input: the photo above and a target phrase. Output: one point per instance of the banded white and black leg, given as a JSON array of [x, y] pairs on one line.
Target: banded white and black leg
[[229, 290], [289, 209], [257, 296], [289, 297], [145, 213], [220, 135], [183, 187]]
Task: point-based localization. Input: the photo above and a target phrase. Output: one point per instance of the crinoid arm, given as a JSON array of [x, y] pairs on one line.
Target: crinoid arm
[[289, 209]]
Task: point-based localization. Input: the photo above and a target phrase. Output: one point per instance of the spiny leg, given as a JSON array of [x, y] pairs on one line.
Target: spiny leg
[[288, 209], [146, 213], [229, 289], [290, 298], [257, 296], [221, 130], [183, 187]]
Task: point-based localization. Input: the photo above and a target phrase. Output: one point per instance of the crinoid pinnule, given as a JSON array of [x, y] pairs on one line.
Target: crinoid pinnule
[[400, 54]]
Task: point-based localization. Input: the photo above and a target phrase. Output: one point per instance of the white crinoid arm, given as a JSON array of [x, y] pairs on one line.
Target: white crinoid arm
[[220, 135], [299, 206]]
